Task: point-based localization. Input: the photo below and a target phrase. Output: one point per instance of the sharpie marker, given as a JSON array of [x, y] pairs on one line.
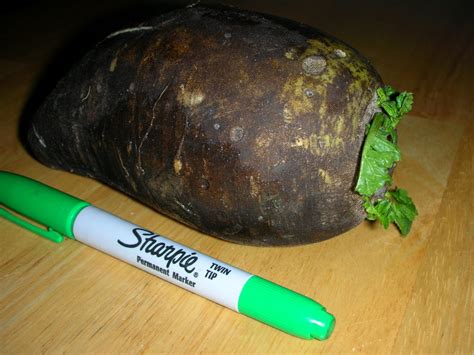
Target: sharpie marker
[[253, 296]]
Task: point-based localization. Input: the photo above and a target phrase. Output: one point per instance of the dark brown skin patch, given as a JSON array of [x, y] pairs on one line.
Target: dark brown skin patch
[[213, 118]]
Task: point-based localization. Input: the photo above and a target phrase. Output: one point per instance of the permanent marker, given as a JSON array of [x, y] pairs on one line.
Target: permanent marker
[[253, 296]]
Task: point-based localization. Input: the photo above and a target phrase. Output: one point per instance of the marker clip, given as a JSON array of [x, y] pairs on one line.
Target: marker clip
[[48, 233], [37, 207]]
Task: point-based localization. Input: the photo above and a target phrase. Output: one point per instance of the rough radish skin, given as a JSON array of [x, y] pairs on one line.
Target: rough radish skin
[[241, 125]]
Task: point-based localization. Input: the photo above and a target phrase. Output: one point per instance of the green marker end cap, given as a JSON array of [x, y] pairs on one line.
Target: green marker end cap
[[323, 325], [285, 309]]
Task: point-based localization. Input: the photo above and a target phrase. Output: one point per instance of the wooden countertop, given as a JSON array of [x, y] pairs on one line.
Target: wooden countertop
[[389, 294]]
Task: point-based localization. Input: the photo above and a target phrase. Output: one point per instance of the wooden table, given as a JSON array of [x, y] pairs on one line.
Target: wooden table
[[389, 294]]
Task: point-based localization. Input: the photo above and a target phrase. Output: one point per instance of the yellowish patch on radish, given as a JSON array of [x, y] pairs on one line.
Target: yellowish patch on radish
[[190, 98], [326, 177], [113, 65], [177, 165]]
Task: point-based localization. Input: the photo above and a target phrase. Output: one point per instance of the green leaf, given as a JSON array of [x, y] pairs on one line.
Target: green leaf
[[404, 216], [384, 94], [404, 102], [389, 91], [390, 108], [396, 207], [392, 103], [379, 154], [372, 213]]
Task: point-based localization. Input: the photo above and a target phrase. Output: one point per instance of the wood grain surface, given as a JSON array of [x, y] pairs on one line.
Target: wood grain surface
[[389, 294]]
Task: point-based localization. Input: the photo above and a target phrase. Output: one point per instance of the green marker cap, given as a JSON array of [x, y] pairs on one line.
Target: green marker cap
[[286, 310], [40, 203]]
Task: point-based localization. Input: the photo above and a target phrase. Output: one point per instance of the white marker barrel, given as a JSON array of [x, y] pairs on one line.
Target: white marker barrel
[[153, 253]]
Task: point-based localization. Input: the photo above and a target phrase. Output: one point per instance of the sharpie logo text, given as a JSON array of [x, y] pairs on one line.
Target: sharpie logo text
[[147, 241]]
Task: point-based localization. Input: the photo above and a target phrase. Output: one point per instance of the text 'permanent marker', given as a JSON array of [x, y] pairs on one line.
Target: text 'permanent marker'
[[65, 215]]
